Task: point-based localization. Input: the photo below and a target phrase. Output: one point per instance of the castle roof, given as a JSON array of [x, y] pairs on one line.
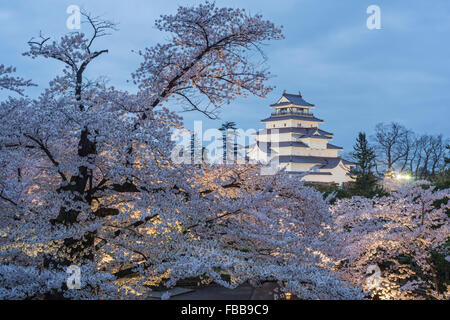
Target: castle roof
[[305, 131], [348, 163], [267, 146], [293, 117], [313, 173], [303, 159], [315, 136], [326, 162], [332, 146], [331, 163], [293, 99]]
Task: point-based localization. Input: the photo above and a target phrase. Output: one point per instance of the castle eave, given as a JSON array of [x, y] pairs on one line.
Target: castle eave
[[315, 137], [332, 146], [312, 173], [304, 131], [305, 159], [312, 119]]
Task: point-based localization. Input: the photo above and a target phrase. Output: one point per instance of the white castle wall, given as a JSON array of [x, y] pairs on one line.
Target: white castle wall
[[297, 151], [291, 123]]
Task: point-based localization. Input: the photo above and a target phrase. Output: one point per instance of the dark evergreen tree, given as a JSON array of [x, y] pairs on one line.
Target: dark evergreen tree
[[364, 156], [226, 128], [447, 159], [442, 179]]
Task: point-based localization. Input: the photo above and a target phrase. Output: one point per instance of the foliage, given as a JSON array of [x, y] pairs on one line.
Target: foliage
[[400, 150], [364, 155], [402, 233], [335, 192], [9, 82], [442, 179]]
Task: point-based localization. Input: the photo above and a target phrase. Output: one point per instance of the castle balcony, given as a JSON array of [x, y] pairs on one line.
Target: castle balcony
[[291, 113]]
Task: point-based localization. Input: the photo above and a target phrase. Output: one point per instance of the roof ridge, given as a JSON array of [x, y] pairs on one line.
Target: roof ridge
[[292, 94]]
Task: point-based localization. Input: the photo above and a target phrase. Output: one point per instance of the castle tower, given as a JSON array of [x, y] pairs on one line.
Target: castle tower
[[293, 139]]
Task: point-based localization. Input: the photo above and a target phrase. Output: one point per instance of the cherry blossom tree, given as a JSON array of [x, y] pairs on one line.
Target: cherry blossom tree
[[399, 234], [8, 82], [210, 59], [87, 175]]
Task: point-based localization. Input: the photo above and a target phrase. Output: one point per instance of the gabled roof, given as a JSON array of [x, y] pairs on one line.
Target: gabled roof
[[265, 146], [332, 163], [315, 133], [295, 99]]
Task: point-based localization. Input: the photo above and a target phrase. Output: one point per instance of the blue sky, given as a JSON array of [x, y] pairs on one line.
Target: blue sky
[[355, 76]]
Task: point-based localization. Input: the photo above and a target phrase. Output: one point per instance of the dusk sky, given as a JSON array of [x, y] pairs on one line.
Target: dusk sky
[[356, 77]]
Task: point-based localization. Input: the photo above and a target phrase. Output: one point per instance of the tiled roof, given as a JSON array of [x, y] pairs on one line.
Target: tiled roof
[[295, 99], [281, 104], [332, 163], [332, 146], [348, 163], [264, 146], [313, 119], [304, 159], [313, 173], [267, 146], [304, 131], [326, 162], [293, 144], [315, 136], [324, 132]]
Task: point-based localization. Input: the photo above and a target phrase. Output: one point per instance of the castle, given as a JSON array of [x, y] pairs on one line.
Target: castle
[[292, 139]]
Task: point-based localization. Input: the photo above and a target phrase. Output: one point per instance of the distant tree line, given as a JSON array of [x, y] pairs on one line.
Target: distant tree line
[[400, 149], [393, 149]]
